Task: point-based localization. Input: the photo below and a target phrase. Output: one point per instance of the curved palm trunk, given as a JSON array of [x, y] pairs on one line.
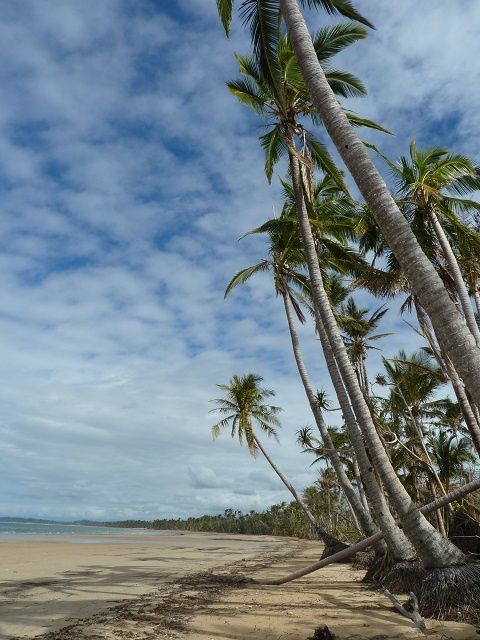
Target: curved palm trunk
[[432, 547], [457, 277], [449, 323], [329, 540], [363, 517]]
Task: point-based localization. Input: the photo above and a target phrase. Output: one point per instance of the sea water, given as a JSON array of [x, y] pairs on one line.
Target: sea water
[[64, 532]]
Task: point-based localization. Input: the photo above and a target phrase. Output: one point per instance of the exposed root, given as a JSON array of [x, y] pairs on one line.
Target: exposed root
[[379, 566], [450, 593], [335, 548], [363, 560]]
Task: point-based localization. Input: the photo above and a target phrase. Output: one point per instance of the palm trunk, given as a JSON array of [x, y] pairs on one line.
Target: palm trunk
[[476, 297], [456, 494], [397, 543], [468, 411], [449, 324], [328, 540], [433, 549], [457, 277], [358, 480], [363, 517]]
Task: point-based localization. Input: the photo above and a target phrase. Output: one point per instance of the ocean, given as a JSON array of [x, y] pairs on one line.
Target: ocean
[[62, 532]]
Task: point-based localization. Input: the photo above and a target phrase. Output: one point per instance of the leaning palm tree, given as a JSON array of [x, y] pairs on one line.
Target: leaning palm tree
[[244, 406], [285, 257], [436, 552], [448, 321], [278, 88]]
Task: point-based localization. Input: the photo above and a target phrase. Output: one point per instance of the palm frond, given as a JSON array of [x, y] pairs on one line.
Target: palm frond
[[247, 93], [356, 121], [275, 147], [225, 8], [342, 7], [245, 274], [329, 41], [346, 85]]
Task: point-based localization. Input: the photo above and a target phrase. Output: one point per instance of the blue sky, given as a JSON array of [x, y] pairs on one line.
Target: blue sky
[[127, 174]]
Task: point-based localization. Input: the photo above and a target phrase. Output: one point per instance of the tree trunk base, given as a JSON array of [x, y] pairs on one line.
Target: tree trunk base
[[335, 548], [449, 593], [380, 565], [363, 560]]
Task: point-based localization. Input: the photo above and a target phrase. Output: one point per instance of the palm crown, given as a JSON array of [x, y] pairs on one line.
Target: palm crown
[[243, 405]]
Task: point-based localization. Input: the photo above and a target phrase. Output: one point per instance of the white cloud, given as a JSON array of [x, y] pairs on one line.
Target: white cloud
[[127, 175]]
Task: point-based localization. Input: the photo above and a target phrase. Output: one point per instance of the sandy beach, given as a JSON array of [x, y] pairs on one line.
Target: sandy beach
[[45, 585], [189, 586]]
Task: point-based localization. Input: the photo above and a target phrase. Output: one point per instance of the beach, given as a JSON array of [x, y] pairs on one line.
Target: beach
[[189, 586], [46, 584]]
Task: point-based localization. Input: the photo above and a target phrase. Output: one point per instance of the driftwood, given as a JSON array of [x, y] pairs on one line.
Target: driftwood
[[372, 540], [414, 615]]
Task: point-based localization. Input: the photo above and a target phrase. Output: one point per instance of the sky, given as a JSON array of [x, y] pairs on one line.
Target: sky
[[127, 175]]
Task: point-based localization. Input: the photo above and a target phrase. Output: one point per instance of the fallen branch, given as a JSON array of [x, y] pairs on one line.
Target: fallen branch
[[372, 540], [414, 615]]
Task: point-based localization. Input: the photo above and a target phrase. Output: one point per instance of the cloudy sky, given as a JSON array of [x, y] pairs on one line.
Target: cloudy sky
[[127, 174]]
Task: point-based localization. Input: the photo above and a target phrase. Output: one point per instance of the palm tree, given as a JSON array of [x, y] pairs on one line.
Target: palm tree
[[285, 257], [358, 330], [282, 90], [450, 453], [435, 551], [449, 324], [243, 406]]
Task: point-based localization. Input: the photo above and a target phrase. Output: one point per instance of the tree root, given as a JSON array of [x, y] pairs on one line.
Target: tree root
[[335, 548], [449, 593]]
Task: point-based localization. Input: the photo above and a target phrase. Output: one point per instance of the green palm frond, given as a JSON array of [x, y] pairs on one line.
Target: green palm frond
[[262, 17], [348, 85], [342, 7], [356, 121], [329, 41], [275, 148], [248, 93], [245, 274], [323, 160], [225, 8]]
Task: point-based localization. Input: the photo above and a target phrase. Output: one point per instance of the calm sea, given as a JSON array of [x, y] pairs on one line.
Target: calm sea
[[75, 533]]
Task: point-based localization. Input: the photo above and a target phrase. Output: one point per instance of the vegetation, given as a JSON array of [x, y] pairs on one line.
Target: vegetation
[[403, 441]]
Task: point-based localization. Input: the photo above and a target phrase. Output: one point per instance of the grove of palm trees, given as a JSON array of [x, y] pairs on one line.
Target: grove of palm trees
[[396, 436]]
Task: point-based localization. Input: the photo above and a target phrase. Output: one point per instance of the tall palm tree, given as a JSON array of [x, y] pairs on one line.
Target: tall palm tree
[[242, 407], [434, 550], [283, 261], [265, 68], [449, 324], [285, 257]]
